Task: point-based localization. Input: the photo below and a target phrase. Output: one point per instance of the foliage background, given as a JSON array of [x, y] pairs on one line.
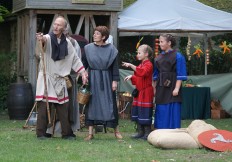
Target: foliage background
[[7, 76], [3, 12], [225, 5]]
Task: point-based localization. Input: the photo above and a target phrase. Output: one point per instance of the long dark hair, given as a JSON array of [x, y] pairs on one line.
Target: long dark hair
[[170, 38]]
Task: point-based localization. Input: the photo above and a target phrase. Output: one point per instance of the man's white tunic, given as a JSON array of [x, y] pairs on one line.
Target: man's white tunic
[[55, 73]]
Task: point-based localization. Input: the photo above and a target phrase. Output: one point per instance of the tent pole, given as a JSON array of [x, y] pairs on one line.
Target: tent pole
[[205, 48]]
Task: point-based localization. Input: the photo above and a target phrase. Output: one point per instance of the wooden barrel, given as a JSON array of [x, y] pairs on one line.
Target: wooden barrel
[[20, 100]]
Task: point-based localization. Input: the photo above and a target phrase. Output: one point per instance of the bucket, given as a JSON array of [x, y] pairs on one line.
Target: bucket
[[20, 100]]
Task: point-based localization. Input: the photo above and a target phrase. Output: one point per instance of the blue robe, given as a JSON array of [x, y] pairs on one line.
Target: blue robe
[[171, 66]]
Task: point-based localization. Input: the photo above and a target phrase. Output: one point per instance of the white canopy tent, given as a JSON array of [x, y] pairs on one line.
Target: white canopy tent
[[182, 18], [177, 17], [173, 16]]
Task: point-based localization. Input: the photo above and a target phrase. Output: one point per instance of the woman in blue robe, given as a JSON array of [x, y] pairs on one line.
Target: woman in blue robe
[[169, 72]]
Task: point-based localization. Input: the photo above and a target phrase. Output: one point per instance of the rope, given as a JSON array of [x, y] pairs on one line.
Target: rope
[[124, 108]]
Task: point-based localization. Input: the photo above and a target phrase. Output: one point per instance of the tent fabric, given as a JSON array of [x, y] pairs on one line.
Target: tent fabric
[[220, 86], [173, 16]]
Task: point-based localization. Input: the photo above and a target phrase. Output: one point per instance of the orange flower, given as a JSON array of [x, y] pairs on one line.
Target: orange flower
[[198, 50], [225, 47]]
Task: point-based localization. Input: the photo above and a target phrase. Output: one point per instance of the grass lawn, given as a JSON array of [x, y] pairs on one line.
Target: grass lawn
[[21, 145]]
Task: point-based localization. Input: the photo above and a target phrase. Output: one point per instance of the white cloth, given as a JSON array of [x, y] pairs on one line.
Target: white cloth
[[77, 48], [110, 39], [55, 73]]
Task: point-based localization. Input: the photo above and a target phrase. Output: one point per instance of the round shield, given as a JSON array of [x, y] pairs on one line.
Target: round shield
[[218, 140]]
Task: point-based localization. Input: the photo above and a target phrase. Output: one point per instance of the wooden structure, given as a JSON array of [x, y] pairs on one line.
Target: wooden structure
[[37, 16]]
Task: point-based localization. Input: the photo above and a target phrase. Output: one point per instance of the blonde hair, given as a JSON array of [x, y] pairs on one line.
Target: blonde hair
[[147, 49]]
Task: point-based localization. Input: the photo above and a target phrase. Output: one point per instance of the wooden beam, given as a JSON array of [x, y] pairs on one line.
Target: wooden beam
[[23, 44], [70, 12], [92, 21], [114, 27], [26, 44], [19, 27], [32, 71], [87, 27], [78, 29]]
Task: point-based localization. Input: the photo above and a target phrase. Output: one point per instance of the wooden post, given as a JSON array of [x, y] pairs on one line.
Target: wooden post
[[87, 28], [205, 48], [114, 27], [32, 67]]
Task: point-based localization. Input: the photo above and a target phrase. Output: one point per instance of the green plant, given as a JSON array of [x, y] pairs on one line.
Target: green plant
[[126, 3], [3, 12], [225, 5], [219, 62], [7, 75]]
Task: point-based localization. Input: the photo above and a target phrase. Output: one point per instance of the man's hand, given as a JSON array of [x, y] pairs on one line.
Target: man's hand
[[84, 77], [40, 37]]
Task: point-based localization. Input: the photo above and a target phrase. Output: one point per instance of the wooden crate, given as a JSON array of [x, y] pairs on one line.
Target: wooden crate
[[218, 114]]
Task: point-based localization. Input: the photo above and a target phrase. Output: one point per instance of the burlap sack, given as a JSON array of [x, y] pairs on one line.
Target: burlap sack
[[197, 127], [172, 139]]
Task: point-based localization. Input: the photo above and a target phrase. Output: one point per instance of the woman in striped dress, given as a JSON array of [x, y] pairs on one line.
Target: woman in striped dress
[[143, 103]]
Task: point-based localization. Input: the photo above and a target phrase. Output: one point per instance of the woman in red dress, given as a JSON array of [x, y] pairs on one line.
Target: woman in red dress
[[143, 103]]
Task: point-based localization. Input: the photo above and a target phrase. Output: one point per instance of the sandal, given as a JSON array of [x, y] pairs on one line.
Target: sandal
[[89, 137], [118, 135]]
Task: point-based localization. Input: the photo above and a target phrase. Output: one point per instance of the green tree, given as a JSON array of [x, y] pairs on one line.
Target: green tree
[[3, 12], [126, 3], [225, 5]]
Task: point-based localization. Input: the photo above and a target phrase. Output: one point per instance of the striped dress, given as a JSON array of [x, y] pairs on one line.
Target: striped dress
[[143, 104]]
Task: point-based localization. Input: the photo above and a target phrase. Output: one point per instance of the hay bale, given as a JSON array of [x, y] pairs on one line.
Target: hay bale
[[197, 127], [172, 139]]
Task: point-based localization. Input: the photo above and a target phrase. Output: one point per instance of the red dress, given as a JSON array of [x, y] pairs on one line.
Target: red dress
[[143, 103]]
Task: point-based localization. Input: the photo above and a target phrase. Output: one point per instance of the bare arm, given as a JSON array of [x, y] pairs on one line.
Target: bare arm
[[177, 88], [126, 64]]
